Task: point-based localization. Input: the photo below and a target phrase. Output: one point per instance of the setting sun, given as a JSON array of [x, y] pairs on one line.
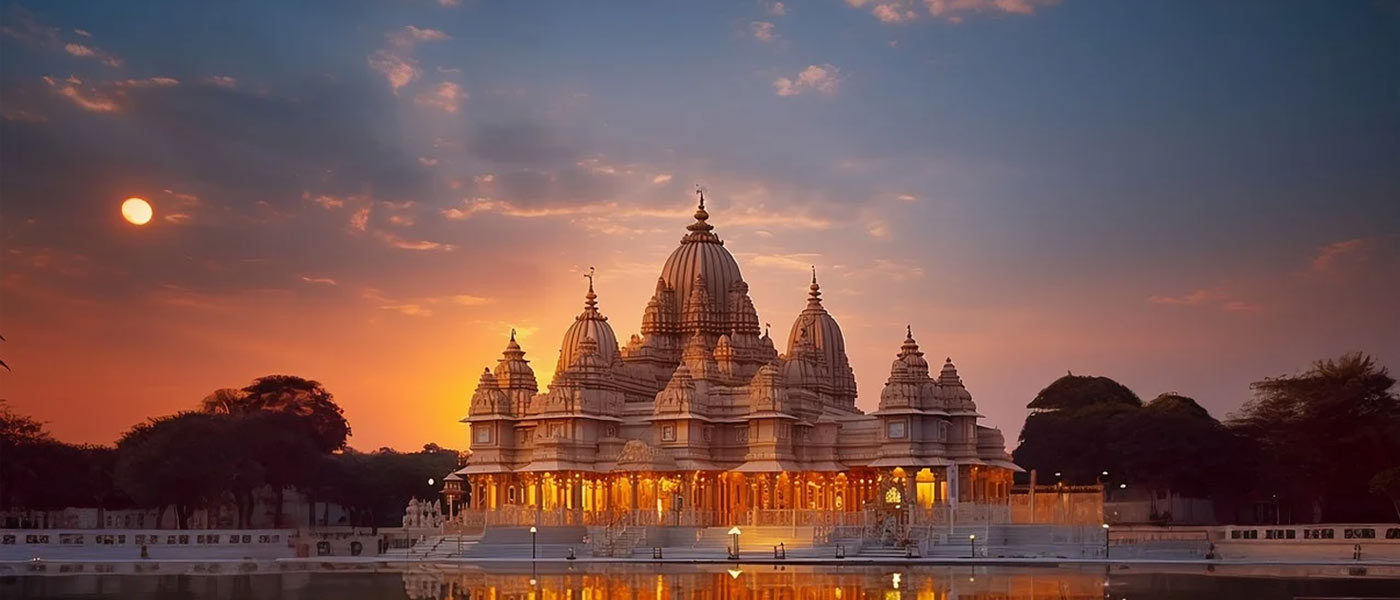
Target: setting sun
[[136, 211]]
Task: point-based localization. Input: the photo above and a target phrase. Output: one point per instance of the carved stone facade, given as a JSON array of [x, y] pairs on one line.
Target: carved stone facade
[[700, 413]]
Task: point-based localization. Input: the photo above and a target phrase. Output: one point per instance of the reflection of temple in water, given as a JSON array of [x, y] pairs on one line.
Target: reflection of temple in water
[[700, 421], [767, 582]]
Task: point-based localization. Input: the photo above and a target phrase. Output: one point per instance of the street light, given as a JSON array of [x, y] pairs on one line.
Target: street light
[[431, 482], [533, 531], [734, 531], [1105, 540], [972, 544]]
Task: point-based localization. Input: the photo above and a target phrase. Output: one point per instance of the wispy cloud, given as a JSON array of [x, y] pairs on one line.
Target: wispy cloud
[[1333, 256], [395, 61], [395, 241], [318, 280], [822, 79], [87, 51], [1216, 297], [777, 9], [763, 31], [661, 178], [445, 96], [22, 27], [222, 81], [952, 11]]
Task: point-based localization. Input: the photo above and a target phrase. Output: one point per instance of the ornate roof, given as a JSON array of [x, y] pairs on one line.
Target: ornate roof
[[590, 324], [821, 330], [702, 261], [512, 370]]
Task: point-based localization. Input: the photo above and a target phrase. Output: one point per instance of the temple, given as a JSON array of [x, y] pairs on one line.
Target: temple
[[699, 420]]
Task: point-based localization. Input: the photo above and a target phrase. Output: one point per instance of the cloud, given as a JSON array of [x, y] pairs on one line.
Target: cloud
[[86, 51], [395, 241], [1206, 297], [1333, 256], [359, 220], [777, 9], [894, 13], [906, 198], [763, 31], [108, 97], [222, 81], [326, 202], [801, 261], [422, 306], [410, 310], [395, 61], [22, 27], [661, 178], [953, 10], [878, 229], [823, 79], [446, 96], [470, 300], [319, 280]]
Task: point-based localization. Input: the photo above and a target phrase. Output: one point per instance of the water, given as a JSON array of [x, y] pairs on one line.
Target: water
[[551, 581]]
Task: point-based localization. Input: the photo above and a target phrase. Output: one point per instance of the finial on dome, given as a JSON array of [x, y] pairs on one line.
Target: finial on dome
[[814, 291], [700, 229], [909, 331], [590, 299], [512, 334]]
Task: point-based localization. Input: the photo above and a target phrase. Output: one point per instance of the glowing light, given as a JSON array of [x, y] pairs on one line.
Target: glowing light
[[734, 530], [137, 211], [894, 580], [735, 573], [430, 481]]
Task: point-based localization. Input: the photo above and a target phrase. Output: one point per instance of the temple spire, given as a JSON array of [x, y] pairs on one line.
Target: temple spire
[[814, 293]]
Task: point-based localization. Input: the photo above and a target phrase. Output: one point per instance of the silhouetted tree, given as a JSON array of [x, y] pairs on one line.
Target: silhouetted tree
[[181, 460], [1387, 485], [1323, 434]]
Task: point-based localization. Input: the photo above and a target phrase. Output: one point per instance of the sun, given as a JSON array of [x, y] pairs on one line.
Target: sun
[[137, 211]]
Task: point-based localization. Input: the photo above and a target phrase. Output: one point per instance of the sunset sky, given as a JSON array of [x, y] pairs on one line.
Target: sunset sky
[[1184, 196]]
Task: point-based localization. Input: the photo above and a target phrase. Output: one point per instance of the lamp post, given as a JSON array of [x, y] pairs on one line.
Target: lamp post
[[533, 531], [972, 545], [734, 531], [1105, 541]]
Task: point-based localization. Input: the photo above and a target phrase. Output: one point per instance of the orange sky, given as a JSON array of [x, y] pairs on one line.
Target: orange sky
[[1183, 200]]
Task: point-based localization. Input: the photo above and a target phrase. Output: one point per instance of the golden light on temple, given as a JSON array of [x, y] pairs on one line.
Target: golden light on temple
[[137, 211]]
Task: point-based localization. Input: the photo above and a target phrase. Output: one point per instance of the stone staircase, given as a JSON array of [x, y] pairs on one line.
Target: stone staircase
[[754, 540]]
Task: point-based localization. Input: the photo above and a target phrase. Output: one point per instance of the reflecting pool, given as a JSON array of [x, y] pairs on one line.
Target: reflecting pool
[[555, 581]]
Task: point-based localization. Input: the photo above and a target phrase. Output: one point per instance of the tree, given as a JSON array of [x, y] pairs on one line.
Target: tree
[[1072, 425], [1073, 392], [303, 398], [1323, 434], [277, 448], [180, 460], [1387, 484]]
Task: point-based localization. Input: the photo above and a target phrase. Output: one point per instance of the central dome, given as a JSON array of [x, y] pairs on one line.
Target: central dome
[[702, 256]]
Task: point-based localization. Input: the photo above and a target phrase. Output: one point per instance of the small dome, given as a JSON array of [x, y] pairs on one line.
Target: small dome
[[512, 370], [910, 361], [488, 397], [590, 324]]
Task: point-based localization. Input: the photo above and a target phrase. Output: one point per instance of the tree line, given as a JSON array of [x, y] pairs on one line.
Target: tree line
[[1321, 445], [238, 446]]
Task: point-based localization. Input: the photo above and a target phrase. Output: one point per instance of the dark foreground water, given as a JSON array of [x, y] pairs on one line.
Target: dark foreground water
[[606, 581]]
